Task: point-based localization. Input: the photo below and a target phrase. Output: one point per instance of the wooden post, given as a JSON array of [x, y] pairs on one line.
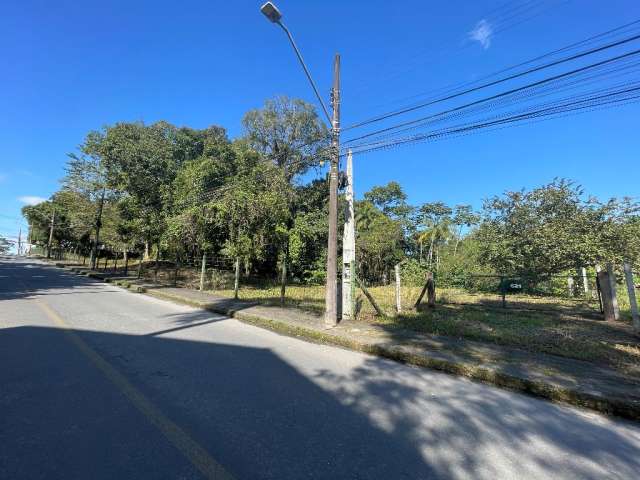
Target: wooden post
[[283, 280], [155, 268], [606, 296], [372, 301], [398, 289], [175, 272], [236, 282], [430, 289], [126, 263], [633, 304], [613, 288], [203, 270], [115, 263]]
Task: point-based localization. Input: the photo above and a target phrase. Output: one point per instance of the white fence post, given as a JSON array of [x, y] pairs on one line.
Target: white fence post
[[398, 289]]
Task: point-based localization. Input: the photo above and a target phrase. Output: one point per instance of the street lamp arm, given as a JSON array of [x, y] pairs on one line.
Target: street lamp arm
[[306, 71]]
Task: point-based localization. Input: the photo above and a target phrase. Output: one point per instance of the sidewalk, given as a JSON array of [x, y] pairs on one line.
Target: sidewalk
[[556, 378]]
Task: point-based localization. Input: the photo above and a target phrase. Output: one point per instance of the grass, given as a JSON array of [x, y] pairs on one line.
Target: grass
[[558, 326], [567, 327]]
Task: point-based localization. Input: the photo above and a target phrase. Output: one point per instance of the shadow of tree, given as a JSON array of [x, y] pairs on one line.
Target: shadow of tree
[[469, 430]]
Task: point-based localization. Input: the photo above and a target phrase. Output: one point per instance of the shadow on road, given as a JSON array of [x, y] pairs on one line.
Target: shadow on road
[[249, 409]]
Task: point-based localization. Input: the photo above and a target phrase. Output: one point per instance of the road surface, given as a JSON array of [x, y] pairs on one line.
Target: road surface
[[97, 382]]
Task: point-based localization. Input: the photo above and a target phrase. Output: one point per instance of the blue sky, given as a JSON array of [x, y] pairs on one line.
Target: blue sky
[[69, 67]]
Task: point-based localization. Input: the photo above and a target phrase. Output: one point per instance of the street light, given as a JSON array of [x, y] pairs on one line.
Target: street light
[[331, 298], [270, 11]]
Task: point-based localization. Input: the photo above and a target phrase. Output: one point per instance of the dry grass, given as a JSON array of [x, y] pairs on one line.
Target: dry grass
[[559, 326], [549, 325]]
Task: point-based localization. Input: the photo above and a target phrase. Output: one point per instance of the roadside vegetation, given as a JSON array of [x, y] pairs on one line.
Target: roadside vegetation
[[178, 197]]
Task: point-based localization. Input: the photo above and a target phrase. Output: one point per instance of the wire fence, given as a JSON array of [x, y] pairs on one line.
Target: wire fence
[[574, 295]]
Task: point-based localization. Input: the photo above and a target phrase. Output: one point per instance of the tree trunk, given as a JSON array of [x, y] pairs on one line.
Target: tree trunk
[[126, 262], [94, 249], [430, 254], [455, 249]]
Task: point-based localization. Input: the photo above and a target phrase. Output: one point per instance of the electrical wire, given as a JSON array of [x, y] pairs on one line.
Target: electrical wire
[[495, 82]]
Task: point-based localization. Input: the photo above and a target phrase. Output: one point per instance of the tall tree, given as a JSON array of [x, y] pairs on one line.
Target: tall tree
[[288, 133], [86, 175]]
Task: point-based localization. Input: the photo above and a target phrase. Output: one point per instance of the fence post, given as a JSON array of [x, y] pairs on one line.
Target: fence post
[[236, 282], [585, 280], [631, 289], [283, 280], [570, 285], [398, 289], [126, 263], [614, 295], [503, 292], [203, 270], [607, 296]]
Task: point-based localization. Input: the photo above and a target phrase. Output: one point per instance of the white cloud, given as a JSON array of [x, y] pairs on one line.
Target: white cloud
[[31, 200], [482, 33]]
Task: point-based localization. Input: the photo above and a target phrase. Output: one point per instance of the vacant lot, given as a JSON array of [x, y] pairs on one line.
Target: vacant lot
[[560, 326], [563, 327]]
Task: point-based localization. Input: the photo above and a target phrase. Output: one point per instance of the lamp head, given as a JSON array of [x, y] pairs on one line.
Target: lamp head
[[270, 11]]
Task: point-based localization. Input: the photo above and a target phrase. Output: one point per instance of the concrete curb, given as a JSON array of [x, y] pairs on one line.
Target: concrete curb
[[621, 407]]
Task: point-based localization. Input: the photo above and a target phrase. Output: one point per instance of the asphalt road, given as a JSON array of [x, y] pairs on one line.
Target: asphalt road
[[97, 382]]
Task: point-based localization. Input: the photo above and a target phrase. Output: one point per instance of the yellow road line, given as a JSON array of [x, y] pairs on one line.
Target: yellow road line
[[197, 455]]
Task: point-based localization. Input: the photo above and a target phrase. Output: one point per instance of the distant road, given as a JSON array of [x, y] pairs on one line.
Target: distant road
[[100, 383]]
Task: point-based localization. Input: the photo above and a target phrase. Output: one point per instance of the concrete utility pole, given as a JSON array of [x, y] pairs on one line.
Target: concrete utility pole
[[331, 293], [349, 247], [53, 221]]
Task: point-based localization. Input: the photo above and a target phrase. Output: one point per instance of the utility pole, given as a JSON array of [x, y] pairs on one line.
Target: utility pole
[[270, 11], [349, 247], [19, 241], [53, 221], [331, 293]]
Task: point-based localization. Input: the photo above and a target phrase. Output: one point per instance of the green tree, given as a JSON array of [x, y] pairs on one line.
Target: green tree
[[555, 228], [288, 133], [5, 245]]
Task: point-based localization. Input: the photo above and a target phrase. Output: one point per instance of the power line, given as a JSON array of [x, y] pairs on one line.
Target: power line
[[551, 88], [583, 104], [498, 25], [626, 29], [493, 83], [499, 95]]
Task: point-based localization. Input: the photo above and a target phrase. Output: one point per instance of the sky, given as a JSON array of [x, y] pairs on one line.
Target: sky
[[69, 67]]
